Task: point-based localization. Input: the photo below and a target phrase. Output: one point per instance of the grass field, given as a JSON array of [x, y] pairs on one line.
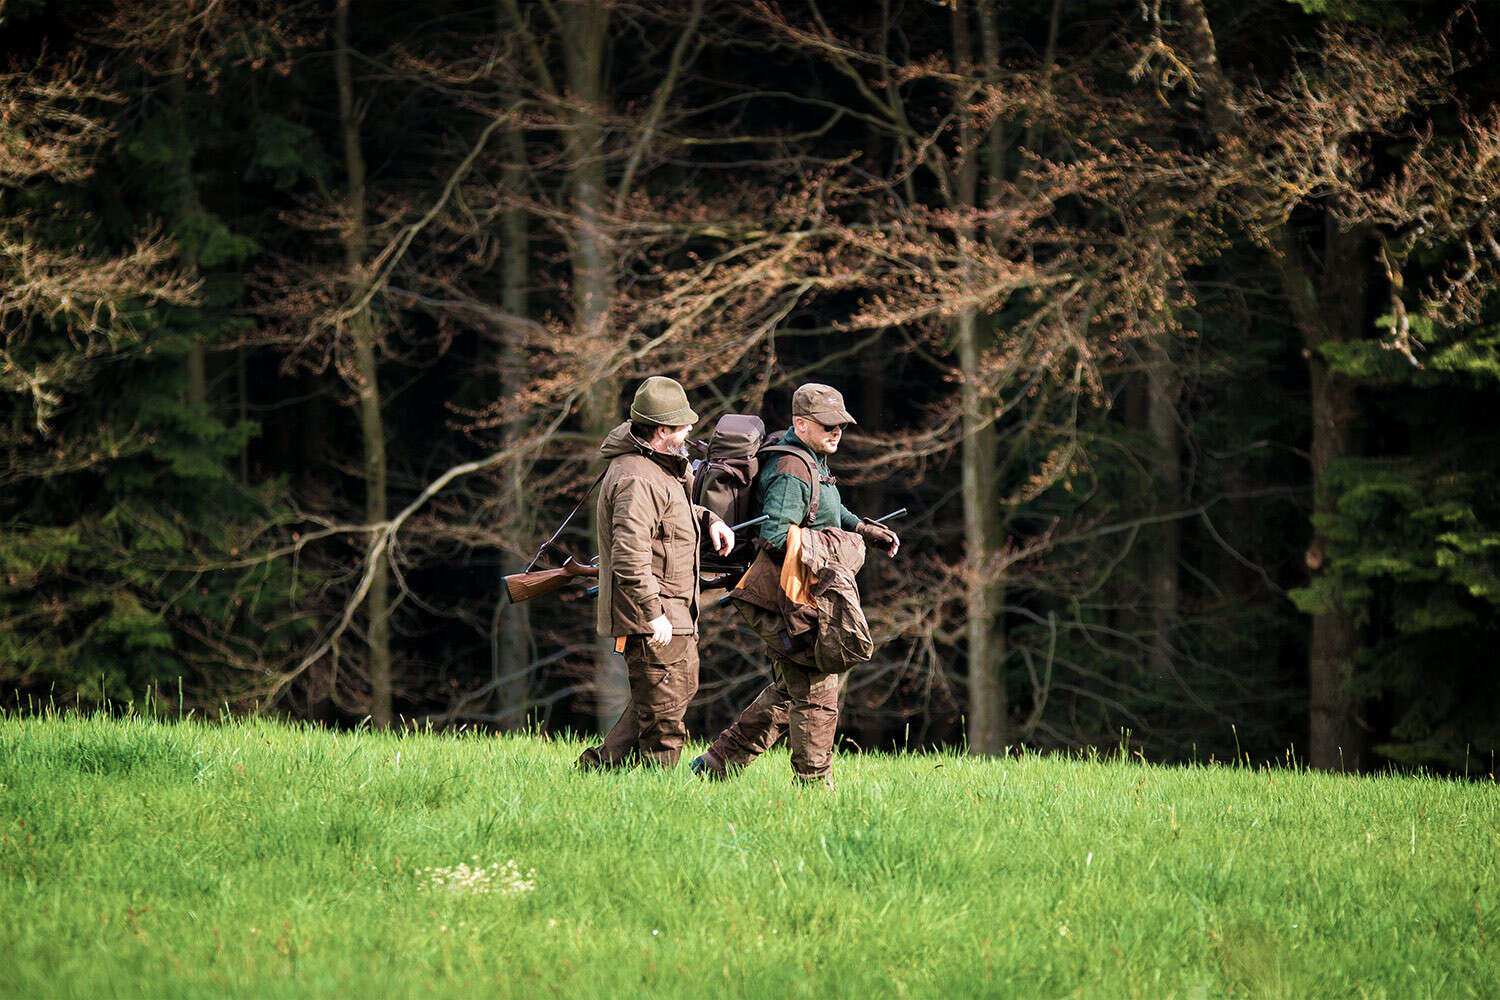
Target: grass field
[[253, 859]]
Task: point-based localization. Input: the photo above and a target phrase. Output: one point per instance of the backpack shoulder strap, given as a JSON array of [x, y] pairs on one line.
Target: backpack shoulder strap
[[814, 477]]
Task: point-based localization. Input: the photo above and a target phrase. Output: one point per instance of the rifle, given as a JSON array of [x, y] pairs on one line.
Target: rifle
[[524, 586], [723, 580], [879, 520], [891, 516]]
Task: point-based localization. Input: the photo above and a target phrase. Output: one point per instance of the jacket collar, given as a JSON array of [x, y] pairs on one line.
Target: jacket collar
[[676, 465], [621, 442]]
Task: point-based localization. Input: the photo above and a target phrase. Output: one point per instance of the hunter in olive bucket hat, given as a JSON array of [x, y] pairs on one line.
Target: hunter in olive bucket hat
[[660, 400]]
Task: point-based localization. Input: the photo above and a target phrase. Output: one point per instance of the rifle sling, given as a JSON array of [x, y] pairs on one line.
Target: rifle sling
[[560, 527]]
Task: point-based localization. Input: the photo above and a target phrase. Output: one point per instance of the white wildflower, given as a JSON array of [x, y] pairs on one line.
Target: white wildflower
[[480, 880]]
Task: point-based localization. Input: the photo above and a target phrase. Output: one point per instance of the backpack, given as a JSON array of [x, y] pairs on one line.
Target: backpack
[[724, 481]]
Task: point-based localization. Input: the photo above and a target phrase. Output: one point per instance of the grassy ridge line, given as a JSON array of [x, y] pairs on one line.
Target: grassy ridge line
[[254, 859]]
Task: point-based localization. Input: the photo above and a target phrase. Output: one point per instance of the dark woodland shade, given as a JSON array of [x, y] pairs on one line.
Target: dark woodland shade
[[1200, 439]]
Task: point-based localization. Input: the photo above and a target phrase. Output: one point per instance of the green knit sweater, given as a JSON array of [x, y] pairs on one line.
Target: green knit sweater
[[783, 492]]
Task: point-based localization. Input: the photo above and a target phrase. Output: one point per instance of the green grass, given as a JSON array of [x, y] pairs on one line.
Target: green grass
[[253, 859]]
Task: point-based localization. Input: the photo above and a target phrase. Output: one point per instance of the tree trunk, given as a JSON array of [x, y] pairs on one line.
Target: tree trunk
[[187, 207], [512, 679], [994, 142], [1335, 738], [1330, 314], [242, 398], [872, 404], [1036, 130], [1164, 539], [984, 595], [362, 332], [1333, 313], [593, 279]]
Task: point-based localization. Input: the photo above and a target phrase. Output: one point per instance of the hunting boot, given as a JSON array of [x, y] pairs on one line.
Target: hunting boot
[[824, 782], [708, 767]]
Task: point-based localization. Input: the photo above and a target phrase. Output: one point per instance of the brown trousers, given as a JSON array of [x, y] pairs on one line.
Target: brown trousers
[[651, 730], [800, 702]]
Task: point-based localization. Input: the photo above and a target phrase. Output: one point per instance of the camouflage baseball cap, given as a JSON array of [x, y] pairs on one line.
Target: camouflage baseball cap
[[660, 400], [823, 403]]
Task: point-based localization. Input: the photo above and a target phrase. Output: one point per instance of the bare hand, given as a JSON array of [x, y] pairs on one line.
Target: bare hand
[[722, 537], [661, 631]]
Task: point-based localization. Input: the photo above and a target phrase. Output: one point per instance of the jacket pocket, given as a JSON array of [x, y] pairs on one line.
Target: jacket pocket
[[677, 543]]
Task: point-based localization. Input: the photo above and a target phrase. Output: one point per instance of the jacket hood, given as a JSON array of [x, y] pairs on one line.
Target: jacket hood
[[621, 441]]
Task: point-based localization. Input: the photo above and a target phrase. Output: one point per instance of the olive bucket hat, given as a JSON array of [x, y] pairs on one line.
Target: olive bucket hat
[[660, 400]]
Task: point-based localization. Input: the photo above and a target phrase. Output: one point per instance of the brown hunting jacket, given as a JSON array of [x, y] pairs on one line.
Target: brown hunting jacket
[[806, 604], [649, 531]]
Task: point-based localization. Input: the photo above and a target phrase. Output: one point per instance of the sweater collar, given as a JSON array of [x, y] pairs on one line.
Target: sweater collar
[[790, 437]]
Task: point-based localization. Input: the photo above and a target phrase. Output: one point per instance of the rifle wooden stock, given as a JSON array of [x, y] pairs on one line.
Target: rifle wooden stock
[[524, 586]]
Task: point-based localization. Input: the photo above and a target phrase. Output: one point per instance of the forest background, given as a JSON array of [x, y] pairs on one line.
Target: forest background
[[1168, 320]]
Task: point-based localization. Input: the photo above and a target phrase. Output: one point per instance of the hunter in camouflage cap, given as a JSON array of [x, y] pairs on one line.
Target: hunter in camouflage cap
[[823, 403], [660, 400]]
